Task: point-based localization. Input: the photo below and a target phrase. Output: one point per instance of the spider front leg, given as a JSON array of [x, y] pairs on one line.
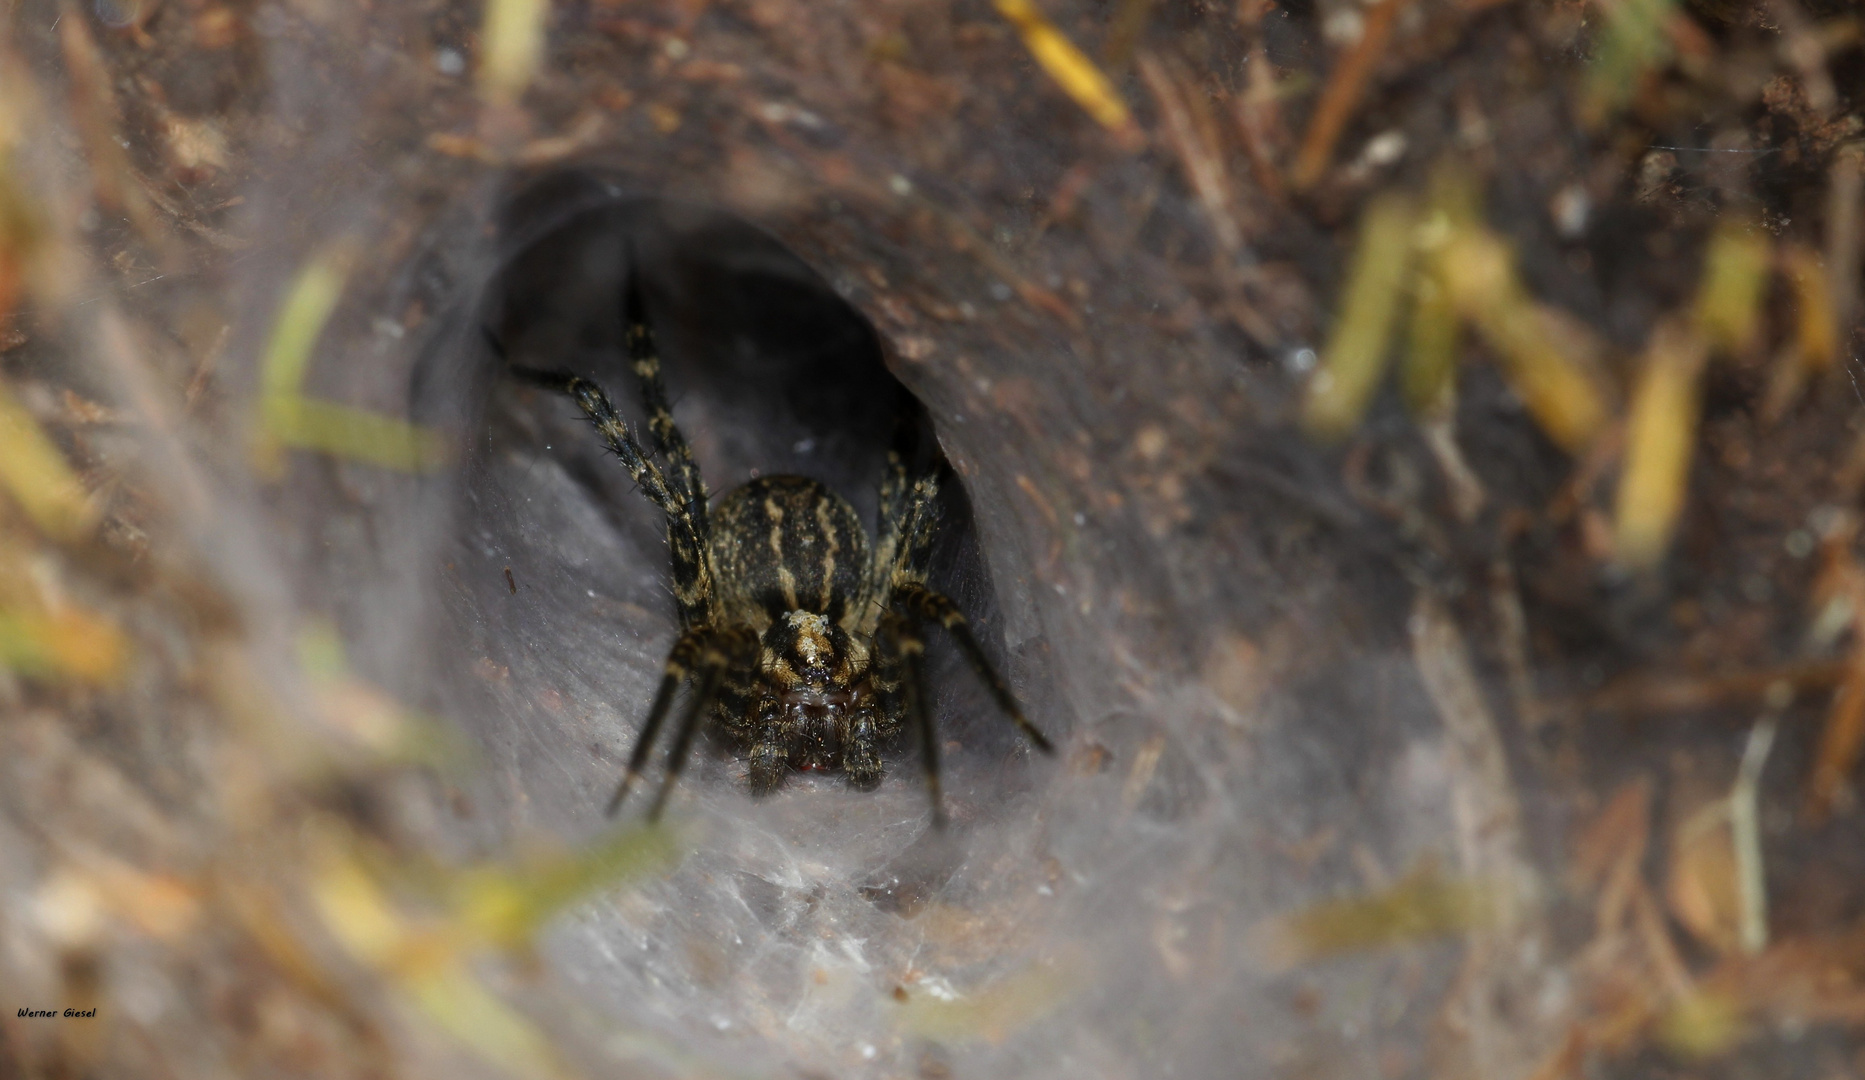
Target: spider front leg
[[644, 357], [712, 665], [939, 608], [770, 748], [679, 663], [614, 431], [680, 496], [907, 649], [705, 656], [861, 747]]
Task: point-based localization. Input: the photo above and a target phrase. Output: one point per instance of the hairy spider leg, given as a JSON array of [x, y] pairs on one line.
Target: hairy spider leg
[[692, 573], [861, 750], [909, 514], [909, 592], [939, 608], [679, 663], [692, 578], [683, 742], [686, 528], [896, 494], [719, 654], [644, 357], [910, 648], [609, 424], [770, 750]]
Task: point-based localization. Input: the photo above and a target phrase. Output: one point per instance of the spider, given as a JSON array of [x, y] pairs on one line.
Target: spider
[[798, 631]]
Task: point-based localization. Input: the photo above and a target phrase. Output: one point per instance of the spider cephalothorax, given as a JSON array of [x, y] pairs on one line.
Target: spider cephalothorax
[[798, 632]]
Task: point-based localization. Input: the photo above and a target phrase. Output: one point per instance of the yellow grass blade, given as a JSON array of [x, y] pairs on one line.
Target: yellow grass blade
[[427, 963], [1429, 378], [1539, 356], [1355, 355], [1071, 69], [35, 474], [1423, 906], [70, 644], [511, 47], [1661, 434], [1816, 323], [308, 303], [1735, 272], [361, 436], [992, 1013], [288, 418]]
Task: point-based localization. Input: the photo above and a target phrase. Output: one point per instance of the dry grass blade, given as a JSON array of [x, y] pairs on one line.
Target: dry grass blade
[[1702, 887], [1614, 839], [1647, 693], [1488, 835], [1512, 640], [1812, 346], [1845, 189], [20, 232], [1506, 933], [1635, 984], [1259, 122], [95, 107], [1466, 488], [1842, 584], [1193, 136], [1346, 84], [1745, 829], [1825, 292]]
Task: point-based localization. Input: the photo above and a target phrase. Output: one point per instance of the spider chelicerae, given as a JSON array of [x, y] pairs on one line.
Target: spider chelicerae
[[798, 631]]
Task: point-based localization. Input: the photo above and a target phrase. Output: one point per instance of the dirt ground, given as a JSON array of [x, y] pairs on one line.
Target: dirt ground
[[1412, 453]]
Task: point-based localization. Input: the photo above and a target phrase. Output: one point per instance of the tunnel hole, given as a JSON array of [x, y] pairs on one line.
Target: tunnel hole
[[770, 372]]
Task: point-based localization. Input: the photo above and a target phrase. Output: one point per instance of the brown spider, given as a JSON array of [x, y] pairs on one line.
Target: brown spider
[[798, 632]]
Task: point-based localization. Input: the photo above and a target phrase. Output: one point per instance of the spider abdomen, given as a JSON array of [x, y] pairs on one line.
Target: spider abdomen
[[786, 544]]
